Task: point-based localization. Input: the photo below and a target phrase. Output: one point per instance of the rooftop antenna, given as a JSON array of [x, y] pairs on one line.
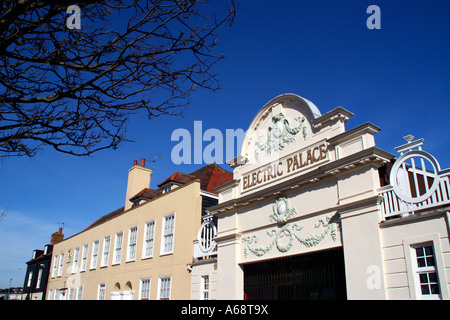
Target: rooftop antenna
[[155, 157], [62, 224]]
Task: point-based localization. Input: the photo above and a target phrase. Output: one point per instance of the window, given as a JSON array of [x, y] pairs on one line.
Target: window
[[205, 287], [30, 277], [105, 255], [101, 291], [118, 248], [168, 234], [164, 288], [94, 255], [84, 257], [79, 293], [426, 272], [148, 239], [39, 279], [70, 294], [49, 297], [76, 256], [132, 238], [61, 264], [144, 292], [55, 264]]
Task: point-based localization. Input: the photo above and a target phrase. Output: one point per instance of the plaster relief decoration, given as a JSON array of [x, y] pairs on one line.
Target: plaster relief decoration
[[279, 134], [285, 234]]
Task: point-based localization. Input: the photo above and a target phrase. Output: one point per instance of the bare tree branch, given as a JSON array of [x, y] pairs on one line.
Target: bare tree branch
[[74, 90]]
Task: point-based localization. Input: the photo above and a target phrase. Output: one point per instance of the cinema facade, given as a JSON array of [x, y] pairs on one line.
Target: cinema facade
[[315, 211]]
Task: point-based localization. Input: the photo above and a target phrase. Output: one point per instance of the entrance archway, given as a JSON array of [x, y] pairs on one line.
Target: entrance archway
[[312, 276]]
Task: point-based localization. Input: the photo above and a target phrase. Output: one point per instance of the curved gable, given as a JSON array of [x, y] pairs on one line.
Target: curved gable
[[285, 119]]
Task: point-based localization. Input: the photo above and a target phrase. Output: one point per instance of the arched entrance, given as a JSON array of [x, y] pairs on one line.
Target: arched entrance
[[312, 276]]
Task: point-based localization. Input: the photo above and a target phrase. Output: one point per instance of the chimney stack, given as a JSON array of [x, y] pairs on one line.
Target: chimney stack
[[138, 179], [57, 237]]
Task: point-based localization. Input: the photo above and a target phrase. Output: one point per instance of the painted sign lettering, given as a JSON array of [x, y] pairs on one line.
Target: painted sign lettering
[[285, 166]]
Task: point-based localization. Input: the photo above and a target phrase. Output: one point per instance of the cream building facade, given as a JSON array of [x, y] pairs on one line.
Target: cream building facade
[[312, 210], [316, 211], [143, 250]]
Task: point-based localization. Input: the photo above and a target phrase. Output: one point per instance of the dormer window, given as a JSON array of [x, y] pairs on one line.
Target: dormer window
[[48, 248], [168, 186]]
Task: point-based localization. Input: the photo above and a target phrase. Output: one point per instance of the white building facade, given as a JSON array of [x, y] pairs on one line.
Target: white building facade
[[316, 211]]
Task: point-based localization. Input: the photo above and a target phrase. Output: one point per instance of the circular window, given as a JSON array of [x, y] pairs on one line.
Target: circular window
[[415, 176]]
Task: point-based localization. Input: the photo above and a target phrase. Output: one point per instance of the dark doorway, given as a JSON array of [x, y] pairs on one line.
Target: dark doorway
[[312, 276]]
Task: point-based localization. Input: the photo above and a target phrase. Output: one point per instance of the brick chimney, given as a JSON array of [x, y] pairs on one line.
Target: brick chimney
[[138, 179], [57, 237]]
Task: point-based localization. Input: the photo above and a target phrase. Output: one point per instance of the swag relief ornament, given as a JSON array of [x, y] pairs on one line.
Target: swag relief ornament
[[285, 234], [279, 134]]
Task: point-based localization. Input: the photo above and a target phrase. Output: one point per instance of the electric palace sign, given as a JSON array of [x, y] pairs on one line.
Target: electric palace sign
[[285, 166]]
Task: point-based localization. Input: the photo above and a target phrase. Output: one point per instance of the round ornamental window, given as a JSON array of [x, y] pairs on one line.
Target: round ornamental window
[[415, 176], [205, 236]]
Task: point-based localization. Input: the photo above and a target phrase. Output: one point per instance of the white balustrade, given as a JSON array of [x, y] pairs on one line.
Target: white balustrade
[[416, 183]]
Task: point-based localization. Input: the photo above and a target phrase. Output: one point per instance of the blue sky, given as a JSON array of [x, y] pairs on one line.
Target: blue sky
[[397, 78]]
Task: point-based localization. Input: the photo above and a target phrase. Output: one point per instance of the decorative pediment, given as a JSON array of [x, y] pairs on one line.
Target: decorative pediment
[[279, 134], [283, 121]]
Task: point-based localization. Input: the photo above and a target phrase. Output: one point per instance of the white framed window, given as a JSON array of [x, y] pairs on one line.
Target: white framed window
[[164, 285], [49, 297], [132, 239], [144, 289], [205, 287], [426, 273], [105, 253], [101, 291], [424, 265], [70, 294], [79, 293], [61, 265], [118, 247], [39, 278], [84, 257], [55, 265], [76, 257], [168, 234], [30, 277], [94, 256], [149, 234]]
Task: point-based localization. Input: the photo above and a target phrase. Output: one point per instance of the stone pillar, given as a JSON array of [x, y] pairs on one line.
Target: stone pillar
[[362, 246]]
